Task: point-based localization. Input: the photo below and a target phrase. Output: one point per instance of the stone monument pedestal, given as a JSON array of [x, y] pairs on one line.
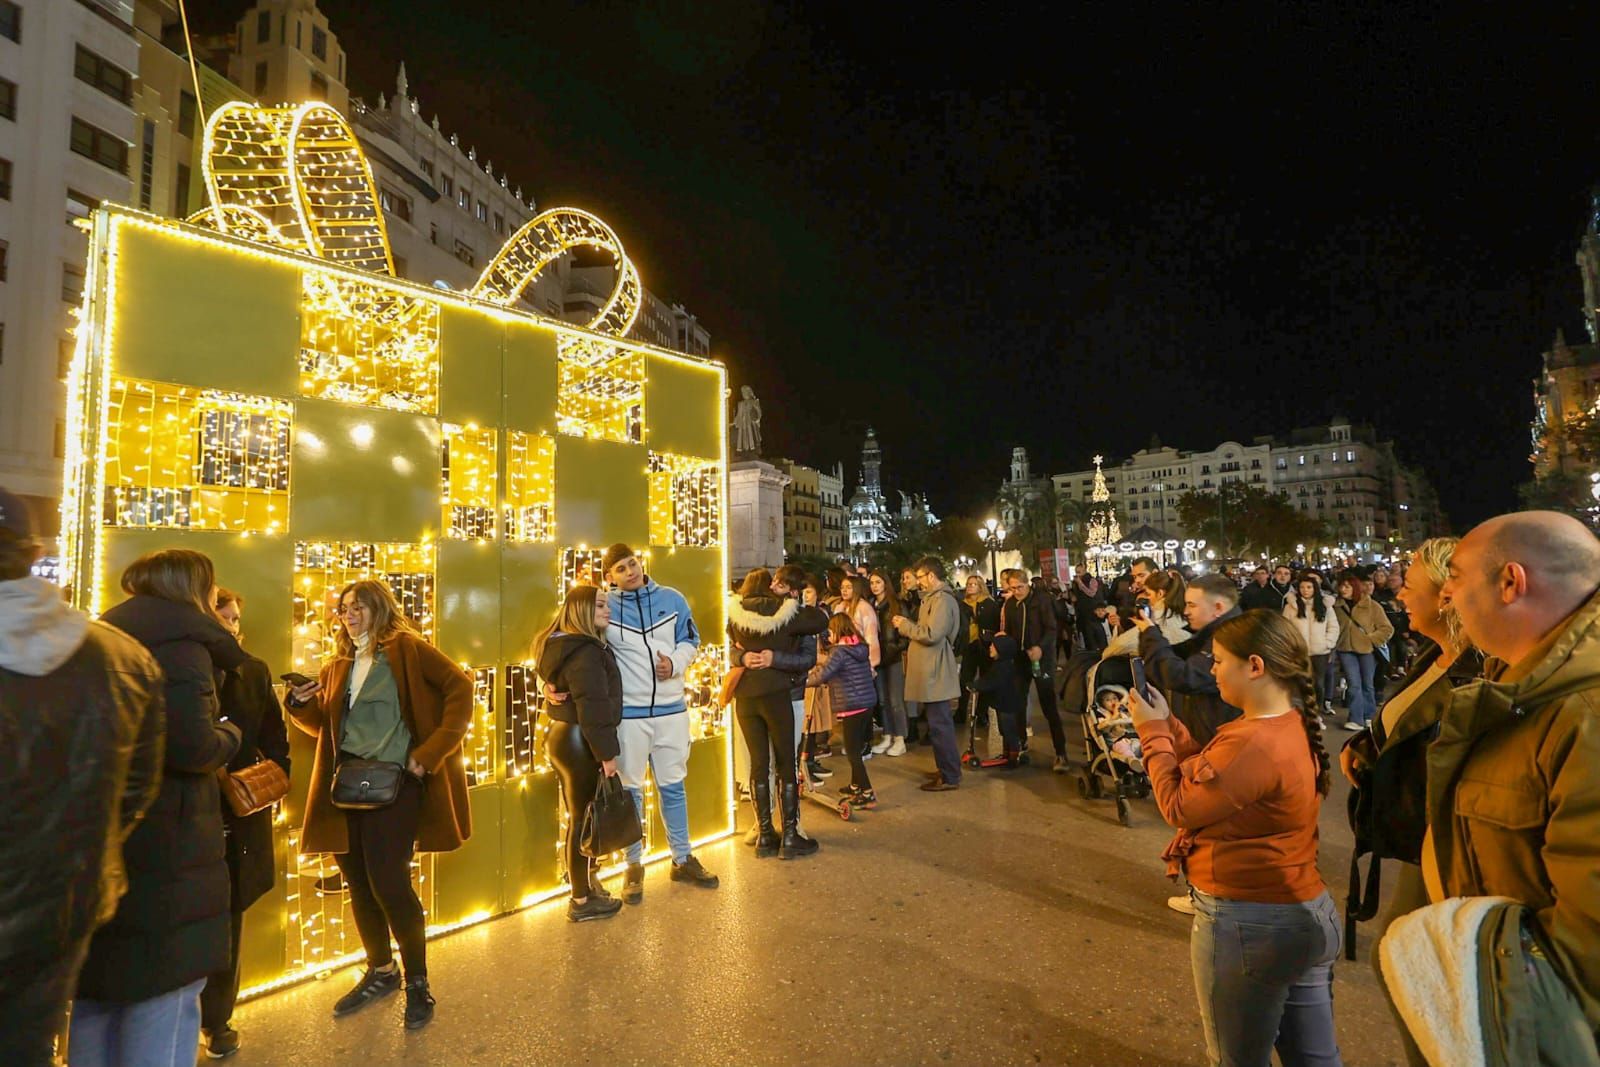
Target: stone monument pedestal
[[755, 516]]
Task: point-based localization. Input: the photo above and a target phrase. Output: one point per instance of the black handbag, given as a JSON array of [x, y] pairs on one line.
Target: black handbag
[[611, 822], [366, 784]]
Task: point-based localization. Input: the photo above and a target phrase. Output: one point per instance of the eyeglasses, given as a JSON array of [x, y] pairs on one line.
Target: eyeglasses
[[350, 609]]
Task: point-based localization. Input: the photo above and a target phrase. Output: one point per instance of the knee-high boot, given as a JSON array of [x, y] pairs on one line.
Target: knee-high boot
[[794, 844], [767, 840]]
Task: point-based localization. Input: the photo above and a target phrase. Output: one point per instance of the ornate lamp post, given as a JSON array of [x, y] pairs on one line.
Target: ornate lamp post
[[991, 533]]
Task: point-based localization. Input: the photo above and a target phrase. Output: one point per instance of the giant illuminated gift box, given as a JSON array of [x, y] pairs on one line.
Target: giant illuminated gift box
[[250, 391]]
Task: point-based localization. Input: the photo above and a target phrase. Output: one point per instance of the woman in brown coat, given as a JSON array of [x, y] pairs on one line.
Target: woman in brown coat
[[387, 695]]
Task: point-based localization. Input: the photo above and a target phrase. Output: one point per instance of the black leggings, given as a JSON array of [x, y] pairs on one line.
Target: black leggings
[[579, 773], [377, 868], [768, 724], [857, 733], [1319, 675]]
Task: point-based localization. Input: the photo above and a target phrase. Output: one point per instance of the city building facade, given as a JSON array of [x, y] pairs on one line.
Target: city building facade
[[835, 528], [802, 510]]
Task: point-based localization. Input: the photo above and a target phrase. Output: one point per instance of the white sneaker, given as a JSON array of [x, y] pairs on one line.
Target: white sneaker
[[1183, 905], [882, 746], [898, 748], [1353, 726]]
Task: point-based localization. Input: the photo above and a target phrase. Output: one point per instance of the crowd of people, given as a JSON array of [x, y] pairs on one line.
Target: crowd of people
[[1468, 680]]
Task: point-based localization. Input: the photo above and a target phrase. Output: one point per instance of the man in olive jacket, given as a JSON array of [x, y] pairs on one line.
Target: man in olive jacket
[[1514, 777], [80, 763], [933, 679]]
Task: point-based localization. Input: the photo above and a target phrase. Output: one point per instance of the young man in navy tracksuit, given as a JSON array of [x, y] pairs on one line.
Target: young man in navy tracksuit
[[654, 637]]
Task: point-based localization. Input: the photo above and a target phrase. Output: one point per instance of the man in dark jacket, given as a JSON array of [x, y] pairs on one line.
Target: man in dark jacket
[[794, 655], [1258, 594], [1183, 672], [80, 712], [1029, 618]]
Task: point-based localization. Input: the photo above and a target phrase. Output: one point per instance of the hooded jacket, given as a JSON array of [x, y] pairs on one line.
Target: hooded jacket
[[173, 926], [769, 622], [645, 622], [82, 737], [1514, 795], [1183, 673], [1321, 637], [587, 670], [847, 672]]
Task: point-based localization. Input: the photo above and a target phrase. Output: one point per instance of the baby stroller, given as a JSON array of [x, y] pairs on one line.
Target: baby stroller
[[1105, 770]]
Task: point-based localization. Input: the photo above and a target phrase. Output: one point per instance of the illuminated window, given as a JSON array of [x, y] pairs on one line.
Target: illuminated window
[[530, 487], [395, 204], [483, 211], [582, 566], [684, 499], [524, 727], [367, 344], [322, 568], [477, 750], [469, 473], [195, 459], [447, 184]]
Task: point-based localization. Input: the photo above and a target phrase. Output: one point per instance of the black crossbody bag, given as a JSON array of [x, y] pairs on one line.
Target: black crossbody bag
[[363, 784]]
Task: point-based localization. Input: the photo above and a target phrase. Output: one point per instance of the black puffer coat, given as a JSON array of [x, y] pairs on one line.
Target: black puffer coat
[[249, 703], [172, 926], [81, 736], [1183, 673], [587, 671]]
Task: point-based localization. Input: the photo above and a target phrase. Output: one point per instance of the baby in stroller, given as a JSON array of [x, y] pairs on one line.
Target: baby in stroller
[[1111, 747], [1114, 725]]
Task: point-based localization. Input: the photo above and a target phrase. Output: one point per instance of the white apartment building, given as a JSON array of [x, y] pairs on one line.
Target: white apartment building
[[835, 532], [67, 136], [1340, 474]]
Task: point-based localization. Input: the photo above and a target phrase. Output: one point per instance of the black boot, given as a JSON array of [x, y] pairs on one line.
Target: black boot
[[767, 840], [794, 845]]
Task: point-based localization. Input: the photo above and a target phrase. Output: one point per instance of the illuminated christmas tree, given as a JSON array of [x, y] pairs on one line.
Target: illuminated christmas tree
[[1103, 529]]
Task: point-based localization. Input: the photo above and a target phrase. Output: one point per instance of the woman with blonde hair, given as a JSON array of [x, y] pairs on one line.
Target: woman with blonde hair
[[1266, 930], [1388, 763], [138, 996], [387, 696], [573, 657]]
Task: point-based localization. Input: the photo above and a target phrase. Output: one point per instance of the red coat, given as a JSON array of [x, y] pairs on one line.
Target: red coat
[[436, 703]]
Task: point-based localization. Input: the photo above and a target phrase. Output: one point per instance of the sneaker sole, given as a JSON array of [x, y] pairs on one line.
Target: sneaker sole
[[592, 918], [419, 1023], [221, 1055]]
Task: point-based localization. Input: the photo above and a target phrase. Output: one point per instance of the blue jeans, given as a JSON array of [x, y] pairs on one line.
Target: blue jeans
[[1264, 977], [892, 697], [1358, 668], [674, 813], [151, 1033]]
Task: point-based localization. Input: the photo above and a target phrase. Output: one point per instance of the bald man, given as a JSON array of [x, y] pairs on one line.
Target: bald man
[[1514, 778]]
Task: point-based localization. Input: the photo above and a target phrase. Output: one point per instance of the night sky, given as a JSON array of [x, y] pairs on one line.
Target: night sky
[[1064, 230]]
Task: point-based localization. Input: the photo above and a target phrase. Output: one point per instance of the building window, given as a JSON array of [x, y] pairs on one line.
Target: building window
[[264, 27], [483, 212], [5, 249], [1316, 460], [261, 77], [447, 184], [464, 200], [499, 223], [1302, 462], [79, 206], [10, 21], [103, 75], [319, 43], [147, 164], [395, 204], [180, 197], [186, 113], [104, 148], [465, 254], [71, 284], [1350, 456], [319, 85], [427, 168], [5, 179], [433, 233], [8, 99]]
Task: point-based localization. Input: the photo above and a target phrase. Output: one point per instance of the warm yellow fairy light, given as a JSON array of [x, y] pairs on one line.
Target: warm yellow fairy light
[[468, 474], [530, 500], [322, 568], [685, 499]]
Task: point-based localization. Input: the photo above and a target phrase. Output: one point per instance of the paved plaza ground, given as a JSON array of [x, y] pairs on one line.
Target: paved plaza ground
[[1010, 922]]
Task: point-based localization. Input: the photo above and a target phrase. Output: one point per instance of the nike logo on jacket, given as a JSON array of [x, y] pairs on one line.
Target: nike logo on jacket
[[649, 621]]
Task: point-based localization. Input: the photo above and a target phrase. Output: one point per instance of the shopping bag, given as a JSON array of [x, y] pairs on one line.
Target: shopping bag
[[611, 822]]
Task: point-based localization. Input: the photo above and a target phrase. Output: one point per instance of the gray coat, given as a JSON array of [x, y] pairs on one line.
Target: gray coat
[[931, 670]]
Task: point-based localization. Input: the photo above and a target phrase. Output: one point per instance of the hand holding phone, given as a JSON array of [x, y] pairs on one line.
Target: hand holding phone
[[296, 680], [1140, 685]]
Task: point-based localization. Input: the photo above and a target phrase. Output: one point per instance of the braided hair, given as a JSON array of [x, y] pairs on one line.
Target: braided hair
[[1286, 658]]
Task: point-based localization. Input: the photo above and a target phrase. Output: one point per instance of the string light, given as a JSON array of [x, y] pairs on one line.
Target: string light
[[530, 501], [468, 470], [322, 568], [684, 500]]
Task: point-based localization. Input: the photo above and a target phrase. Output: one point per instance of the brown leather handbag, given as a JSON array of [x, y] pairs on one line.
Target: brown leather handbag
[[257, 786]]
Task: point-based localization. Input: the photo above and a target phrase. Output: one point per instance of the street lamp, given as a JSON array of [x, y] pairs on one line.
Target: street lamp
[[991, 533]]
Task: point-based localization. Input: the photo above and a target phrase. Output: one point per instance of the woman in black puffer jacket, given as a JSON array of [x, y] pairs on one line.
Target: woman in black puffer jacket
[[759, 620], [171, 929], [582, 743]]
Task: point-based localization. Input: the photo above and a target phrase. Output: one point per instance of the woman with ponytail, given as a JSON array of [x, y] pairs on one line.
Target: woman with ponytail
[[1266, 931]]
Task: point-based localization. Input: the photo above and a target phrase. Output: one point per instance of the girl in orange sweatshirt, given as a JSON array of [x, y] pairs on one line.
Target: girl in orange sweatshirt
[[1266, 931]]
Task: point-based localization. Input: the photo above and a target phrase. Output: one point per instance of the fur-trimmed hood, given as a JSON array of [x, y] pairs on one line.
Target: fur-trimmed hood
[[761, 614]]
